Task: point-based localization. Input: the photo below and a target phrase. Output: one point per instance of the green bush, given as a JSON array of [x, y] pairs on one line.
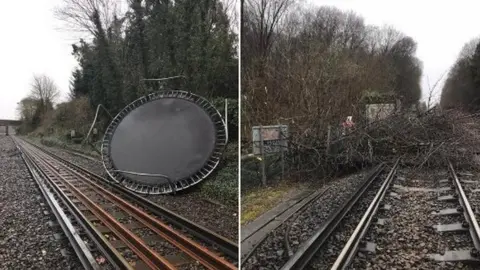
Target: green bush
[[53, 142], [222, 185]]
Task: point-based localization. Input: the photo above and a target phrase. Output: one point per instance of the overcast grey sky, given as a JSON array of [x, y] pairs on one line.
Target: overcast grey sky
[[441, 28], [31, 44]]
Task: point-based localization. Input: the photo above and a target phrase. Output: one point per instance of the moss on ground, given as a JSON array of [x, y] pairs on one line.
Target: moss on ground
[[260, 200], [222, 185], [257, 199]]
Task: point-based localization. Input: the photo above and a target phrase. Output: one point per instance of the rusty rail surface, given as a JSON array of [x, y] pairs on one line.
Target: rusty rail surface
[[96, 199], [223, 244]]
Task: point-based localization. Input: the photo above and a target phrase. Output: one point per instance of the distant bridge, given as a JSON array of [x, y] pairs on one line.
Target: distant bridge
[[6, 123]]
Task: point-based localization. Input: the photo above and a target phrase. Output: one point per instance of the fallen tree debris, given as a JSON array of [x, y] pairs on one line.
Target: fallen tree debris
[[424, 140]]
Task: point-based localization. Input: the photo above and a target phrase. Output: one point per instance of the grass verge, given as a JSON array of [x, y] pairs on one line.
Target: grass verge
[[258, 201], [52, 141]]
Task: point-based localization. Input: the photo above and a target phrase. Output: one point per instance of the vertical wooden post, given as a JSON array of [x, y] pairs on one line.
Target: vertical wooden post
[[262, 154], [327, 145], [6, 130], [370, 149], [283, 149]]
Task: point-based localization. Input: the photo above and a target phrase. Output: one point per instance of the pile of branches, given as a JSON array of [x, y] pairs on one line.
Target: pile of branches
[[421, 140]]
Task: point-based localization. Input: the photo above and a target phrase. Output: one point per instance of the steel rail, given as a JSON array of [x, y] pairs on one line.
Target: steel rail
[[299, 211], [225, 245], [468, 212], [81, 250], [135, 243], [307, 250], [194, 250], [100, 241], [350, 250]]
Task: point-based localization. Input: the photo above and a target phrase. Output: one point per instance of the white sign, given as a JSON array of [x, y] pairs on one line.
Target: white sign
[[274, 139], [377, 112]]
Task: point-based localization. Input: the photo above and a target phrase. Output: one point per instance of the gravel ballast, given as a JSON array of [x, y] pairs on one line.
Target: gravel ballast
[[272, 252], [326, 256], [26, 239], [471, 187], [407, 239]]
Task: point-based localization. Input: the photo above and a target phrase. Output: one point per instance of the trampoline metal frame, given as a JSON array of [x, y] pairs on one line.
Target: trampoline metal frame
[[221, 138]]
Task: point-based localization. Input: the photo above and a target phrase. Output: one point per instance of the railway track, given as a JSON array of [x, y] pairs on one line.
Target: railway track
[[290, 213], [224, 245], [302, 258], [318, 218], [446, 243], [108, 231], [412, 222]]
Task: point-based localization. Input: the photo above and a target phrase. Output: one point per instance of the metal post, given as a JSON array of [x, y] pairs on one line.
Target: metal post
[[283, 163], [282, 149], [95, 120], [6, 130], [327, 146], [164, 79], [226, 118], [262, 153]]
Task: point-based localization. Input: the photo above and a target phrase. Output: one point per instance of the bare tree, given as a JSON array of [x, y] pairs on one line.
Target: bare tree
[[459, 88], [79, 14], [26, 108], [432, 95], [382, 39], [232, 11], [322, 65], [468, 50], [264, 17], [44, 90]]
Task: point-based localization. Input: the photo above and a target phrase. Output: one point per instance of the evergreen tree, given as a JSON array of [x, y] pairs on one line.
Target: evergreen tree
[[157, 39]]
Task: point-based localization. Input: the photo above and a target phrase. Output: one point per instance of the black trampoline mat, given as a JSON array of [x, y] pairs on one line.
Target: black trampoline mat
[[169, 136]]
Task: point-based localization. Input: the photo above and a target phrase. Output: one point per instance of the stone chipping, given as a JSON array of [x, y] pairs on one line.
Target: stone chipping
[[26, 239]]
